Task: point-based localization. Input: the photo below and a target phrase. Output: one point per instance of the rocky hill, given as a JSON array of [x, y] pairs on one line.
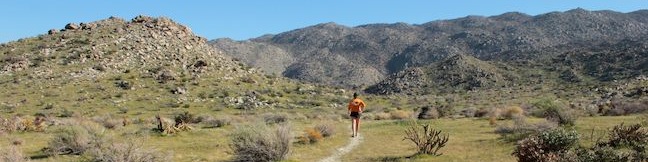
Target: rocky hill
[[144, 64], [364, 55], [457, 72]]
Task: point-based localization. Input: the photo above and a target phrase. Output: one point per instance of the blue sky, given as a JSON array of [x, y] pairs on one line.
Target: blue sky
[[244, 19]]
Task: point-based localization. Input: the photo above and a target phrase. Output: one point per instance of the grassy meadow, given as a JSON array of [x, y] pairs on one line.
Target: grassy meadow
[[471, 139]]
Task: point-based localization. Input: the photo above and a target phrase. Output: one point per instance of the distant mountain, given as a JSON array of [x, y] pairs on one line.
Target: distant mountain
[[365, 55]]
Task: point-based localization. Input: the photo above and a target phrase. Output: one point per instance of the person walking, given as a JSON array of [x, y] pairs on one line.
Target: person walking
[[356, 107]]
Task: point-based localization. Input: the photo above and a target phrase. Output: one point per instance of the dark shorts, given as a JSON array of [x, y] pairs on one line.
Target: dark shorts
[[355, 115]]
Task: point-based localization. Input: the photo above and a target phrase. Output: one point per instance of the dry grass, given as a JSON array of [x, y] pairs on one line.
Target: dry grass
[[468, 137], [401, 114], [261, 143], [468, 141], [512, 112], [326, 130], [12, 153], [311, 136]]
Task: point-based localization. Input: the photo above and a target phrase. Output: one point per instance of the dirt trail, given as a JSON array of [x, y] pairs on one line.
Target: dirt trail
[[344, 150]]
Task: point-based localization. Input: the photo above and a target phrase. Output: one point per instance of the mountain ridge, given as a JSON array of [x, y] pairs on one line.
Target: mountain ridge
[[386, 49]]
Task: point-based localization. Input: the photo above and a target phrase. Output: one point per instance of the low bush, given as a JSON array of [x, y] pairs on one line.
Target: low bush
[[427, 139], [326, 130], [428, 112], [554, 111], [625, 143], [186, 118], [445, 110], [108, 122], [275, 118], [601, 153], [382, 116], [130, 151], [260, 143], [75, 139], [512, 112], [311, 136], [631, 136], [65, 113], [217, 122], [546, 146], [13, 152], [469, 112], [618, 108], [400, 114], [521, 129], [481, 112]]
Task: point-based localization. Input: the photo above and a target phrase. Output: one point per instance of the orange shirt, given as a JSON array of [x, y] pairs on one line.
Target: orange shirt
[[356, 104]]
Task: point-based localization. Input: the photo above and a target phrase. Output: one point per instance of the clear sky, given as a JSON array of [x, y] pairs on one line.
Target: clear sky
[[244, 19]]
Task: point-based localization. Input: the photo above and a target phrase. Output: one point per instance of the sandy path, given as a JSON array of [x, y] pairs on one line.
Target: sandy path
[[344, 150]]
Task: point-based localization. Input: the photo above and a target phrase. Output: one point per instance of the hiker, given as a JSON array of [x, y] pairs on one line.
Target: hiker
[[356, 107]]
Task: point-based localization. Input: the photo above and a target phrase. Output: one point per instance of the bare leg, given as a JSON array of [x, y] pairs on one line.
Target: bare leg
[[353, 127], [357, 126]]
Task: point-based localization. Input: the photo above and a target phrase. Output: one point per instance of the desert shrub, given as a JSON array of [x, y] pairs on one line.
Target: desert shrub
[[65, 113], [532, 149], [625, 143], [492, 120], [326, 130], [260, 143], [108, 122], [618, 107], [513, 111], [562, 117], [428, 112], [311, 136], [217, 122], [124, 152], [445, 110], [275, 118], [481, 112], [469, 112], [546, 146], [75, 139], [125, 85], [554, 111], [557, 140], [521, 129], [186, 118], [632, 136], [427, 139], [400, 114], [493, 115], [12, 154], [600, 153], [382, 116]]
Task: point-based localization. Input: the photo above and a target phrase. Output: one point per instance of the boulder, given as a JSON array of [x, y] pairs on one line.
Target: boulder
[[142, 19], [90, 26], [52, 31], [72, 26]]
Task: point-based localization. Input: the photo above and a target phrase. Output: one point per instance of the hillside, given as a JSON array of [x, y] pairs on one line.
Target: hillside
[[364, 55], [141, 67], [458, 72]]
